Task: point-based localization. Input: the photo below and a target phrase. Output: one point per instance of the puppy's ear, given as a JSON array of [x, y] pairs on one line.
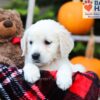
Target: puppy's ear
[[66, 42], [24, 44]]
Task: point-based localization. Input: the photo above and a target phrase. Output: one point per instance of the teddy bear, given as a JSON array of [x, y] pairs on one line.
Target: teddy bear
[[11, 30]]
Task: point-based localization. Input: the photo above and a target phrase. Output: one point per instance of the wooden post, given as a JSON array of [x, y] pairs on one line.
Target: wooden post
[[85, 38], [90, 46], [30, 12]]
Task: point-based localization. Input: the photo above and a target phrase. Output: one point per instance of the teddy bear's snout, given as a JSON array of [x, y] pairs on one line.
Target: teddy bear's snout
[[8, 23]]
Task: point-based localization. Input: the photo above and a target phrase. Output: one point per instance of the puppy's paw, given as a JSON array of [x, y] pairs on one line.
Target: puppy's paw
[[31, 74], [79, 67], [63, 82]]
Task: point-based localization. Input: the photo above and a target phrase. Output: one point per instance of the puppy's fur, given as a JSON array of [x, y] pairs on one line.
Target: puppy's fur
[[53, 43]]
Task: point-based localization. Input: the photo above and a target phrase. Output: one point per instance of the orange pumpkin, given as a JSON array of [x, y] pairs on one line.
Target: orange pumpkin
[[91, 64], [70, 15]]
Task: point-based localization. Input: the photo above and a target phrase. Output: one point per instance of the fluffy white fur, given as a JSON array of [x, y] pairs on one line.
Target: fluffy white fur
[[53, 56]]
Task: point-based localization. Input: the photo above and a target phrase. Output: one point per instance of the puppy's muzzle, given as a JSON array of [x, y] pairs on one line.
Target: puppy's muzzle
[[36, 57]]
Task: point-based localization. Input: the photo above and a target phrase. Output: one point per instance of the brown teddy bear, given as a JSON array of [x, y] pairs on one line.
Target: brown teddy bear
[[11, 29]]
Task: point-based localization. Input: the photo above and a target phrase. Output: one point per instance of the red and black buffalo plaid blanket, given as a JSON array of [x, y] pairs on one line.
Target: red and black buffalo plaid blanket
[[14, 87]]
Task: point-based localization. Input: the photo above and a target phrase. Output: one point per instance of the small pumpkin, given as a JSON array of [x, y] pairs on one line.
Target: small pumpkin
[[88, 61], [70, 15], [92, 64]]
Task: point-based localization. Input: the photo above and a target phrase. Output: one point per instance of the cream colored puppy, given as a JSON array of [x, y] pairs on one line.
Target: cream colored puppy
[[46, 45]]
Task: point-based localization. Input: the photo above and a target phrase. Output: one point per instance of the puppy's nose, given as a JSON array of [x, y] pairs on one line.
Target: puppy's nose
[[36, 56]]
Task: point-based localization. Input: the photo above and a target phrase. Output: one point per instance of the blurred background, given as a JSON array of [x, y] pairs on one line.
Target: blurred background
[[48, 9]]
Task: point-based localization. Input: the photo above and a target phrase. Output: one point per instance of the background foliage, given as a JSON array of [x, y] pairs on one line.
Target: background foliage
[[48, 9]]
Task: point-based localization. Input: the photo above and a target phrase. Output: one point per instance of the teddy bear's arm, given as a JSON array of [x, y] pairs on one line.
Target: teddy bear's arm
[[5, 60]]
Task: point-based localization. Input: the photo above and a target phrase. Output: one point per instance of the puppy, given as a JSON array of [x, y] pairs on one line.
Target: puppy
[[46, 45]]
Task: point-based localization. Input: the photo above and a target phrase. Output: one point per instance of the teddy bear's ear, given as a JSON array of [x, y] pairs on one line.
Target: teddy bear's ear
[[24, 44], [15, 17], [15, 13], [66, 42]]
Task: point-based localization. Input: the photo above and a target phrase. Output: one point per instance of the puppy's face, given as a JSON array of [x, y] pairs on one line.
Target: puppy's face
[[42, 47], [45, 41]]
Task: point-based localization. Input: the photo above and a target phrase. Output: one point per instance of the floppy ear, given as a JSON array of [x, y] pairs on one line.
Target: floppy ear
[[66, 42], [24, 44]]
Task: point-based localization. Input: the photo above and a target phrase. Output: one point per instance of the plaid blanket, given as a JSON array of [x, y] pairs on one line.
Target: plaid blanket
[[14, 87]]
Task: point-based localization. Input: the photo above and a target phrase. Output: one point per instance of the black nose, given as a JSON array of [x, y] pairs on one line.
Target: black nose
[[36, 56]]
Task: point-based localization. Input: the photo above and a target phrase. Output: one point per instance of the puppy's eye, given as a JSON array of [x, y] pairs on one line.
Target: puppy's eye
[[31, 42], [47, 42]]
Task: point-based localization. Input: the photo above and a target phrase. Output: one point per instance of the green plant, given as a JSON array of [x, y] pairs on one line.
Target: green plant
[[45, 13], [79, 46], [19, 5]]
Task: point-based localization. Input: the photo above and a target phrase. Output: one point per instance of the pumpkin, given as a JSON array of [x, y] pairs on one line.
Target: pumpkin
[[92, 64], [70, 15], [88, 61]]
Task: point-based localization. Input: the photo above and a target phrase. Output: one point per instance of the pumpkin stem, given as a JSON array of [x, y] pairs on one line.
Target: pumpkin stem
[[90, 45], [76, 0]]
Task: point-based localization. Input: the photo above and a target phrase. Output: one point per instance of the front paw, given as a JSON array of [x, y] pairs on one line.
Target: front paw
[[31, 74], [63, 82]]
